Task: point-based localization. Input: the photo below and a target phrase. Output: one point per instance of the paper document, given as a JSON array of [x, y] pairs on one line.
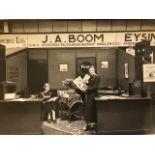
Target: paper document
[[53, 99], [20, 99], [86, 78], [79, 82]]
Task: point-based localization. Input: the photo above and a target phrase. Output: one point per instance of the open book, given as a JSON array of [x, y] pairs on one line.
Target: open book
[[53, 99], [86, 78], [81, 82]]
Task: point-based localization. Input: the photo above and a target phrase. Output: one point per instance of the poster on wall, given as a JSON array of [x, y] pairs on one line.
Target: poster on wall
[[63, 68], [130, 51], [149, 72], [104, 64]]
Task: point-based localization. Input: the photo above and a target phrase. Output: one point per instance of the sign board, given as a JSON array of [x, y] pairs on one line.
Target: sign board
[[104, 64], [63, 67], [149, 72], [64, 40], [130, 51]]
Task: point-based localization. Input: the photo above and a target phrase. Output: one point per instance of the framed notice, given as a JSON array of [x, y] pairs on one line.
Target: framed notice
[[104, 64], [149, 72], [126, 70], [63, 68]]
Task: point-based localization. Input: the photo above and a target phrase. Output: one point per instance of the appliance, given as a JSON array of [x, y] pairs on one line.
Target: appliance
[[7, 90]]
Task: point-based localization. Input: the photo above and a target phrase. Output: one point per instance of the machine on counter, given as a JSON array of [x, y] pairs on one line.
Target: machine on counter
[[7, 90]]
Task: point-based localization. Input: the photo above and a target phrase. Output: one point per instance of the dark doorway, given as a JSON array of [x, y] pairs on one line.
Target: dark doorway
[[37, 75], [83, 64]]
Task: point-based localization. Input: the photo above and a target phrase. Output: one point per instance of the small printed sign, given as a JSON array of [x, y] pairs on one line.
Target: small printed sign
[[104, 64], [149, 72], [130, 51], [63, 68]]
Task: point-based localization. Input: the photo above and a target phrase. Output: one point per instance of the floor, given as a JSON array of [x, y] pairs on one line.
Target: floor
[[63, 127]]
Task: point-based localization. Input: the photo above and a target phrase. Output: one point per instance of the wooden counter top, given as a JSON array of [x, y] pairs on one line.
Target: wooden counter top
[[23, 100], [114, 97]]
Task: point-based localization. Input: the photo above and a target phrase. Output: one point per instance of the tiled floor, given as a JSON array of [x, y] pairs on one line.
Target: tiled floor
[[63, 127]]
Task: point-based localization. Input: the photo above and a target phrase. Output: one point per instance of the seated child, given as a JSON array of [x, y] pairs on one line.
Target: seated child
[[50, 109]]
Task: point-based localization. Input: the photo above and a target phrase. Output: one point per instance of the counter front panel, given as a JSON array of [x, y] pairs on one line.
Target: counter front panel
[[21, 116], [117, 114]]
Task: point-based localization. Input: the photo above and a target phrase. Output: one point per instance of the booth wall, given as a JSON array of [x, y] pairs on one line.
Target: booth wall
[[122, 58], [68, 56], [16, 70]]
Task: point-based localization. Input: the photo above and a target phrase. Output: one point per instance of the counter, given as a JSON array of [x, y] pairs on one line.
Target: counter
[[20, 116], [123, 115]]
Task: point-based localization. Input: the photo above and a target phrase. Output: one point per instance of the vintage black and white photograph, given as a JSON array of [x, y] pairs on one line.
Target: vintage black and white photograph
[[77, 76]]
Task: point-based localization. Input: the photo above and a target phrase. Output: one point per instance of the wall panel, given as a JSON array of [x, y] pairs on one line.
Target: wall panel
[[148, 25], [37, 54], [17, 27], [60, 26], [89, 25], [118, 25], [1, 27], [16, 70], [57, 57], [133, 25], [103, 25], [45, 26], [123, 58], [74, 26], [31, 27], [108, 75]]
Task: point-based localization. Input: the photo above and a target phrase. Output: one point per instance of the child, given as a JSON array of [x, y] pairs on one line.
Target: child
[[49, 103]]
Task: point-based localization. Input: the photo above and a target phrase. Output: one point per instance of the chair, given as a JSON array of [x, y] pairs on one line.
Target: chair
[[71, 104]]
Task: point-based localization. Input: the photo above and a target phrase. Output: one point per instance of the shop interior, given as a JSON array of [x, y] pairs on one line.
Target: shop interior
[[119, 68], [110, 65]]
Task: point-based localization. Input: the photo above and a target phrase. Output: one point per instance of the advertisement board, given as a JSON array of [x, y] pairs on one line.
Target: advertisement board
[[149, 72], [63, 40]]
